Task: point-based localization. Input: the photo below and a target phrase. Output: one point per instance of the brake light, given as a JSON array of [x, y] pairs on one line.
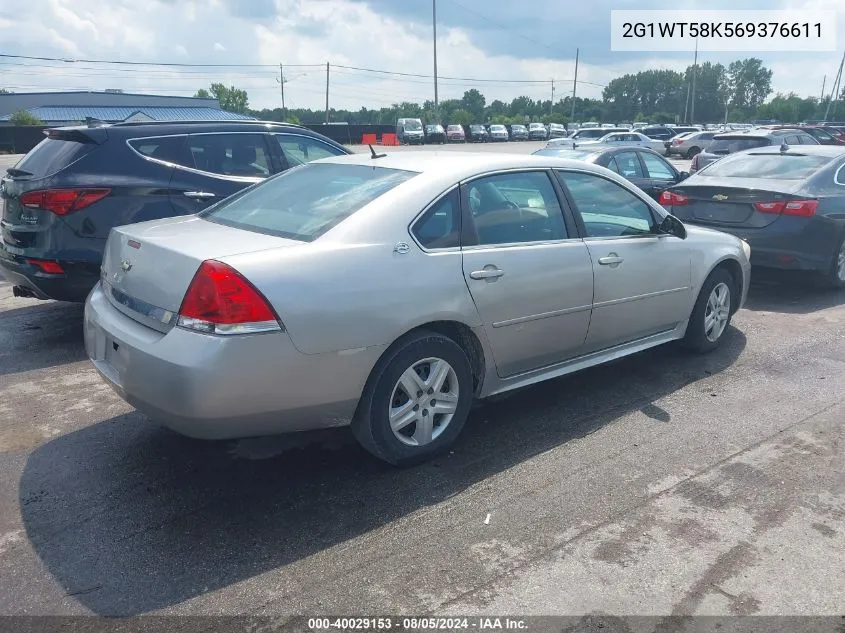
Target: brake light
[[47, 266], [672, 199], [62, 201], [677, 141], [220, 300], [798, 208]]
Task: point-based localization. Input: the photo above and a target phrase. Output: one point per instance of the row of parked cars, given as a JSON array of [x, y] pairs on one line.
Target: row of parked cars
[[214, 302], [413, 132]]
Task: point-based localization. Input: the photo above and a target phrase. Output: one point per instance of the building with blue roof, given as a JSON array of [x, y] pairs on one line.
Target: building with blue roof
[[68, 108]]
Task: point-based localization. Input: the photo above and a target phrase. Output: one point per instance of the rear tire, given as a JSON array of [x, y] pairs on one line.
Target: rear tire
[[692, 151], [399, 418], [835, 277], [712, 312]]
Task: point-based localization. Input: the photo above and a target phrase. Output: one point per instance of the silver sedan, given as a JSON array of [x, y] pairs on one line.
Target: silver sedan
[[632, 139], [387, 292]]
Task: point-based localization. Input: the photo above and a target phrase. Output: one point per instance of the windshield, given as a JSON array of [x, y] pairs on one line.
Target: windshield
[[455, 128], [497, 128], [305, 202], [434, 128], [781, 166], [412, 126], [476, 128], [518, 127], [731, 145], [536, 126], [591, 134]]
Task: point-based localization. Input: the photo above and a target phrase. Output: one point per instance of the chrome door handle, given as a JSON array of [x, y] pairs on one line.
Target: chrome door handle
[[198, 195], [611, 260], [487, 273]]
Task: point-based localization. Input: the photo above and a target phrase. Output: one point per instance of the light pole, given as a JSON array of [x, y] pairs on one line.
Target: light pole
[[434, 29]]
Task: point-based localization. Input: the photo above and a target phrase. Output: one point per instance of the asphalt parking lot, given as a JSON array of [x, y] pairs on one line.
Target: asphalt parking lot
[[663, 484]]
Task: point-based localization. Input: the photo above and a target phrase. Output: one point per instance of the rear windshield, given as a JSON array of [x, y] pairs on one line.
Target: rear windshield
[[731, 145], [52, 155], [574, 154], [305, 202], [783, 166]]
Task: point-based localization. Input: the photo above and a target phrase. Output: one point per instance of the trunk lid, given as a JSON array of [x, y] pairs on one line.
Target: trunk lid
[[148, 267], [731, 206]]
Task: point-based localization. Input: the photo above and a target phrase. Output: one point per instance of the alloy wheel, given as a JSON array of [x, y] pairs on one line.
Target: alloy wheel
[[717, 312], [840, 263], [423, 402]]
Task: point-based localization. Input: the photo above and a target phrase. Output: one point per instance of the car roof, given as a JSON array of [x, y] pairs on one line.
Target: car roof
[[815, 150], [459, 165], [755, 133], [151, 128]]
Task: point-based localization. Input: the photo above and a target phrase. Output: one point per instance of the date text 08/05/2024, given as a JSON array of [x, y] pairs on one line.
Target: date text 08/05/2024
[[416, 624]]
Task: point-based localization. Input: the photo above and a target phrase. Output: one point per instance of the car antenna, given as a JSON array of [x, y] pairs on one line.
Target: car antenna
[[374, 155], [784, 147]]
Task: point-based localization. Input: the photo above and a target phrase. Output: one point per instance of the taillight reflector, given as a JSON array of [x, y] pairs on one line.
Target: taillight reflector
[[799, 208], [47, 266], [220, 300], [62, 201], [672, 199]]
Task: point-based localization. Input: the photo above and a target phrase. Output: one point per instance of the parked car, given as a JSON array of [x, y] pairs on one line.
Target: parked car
[[642, 166], [455, 134], [688, 144], [537, 132], [730, 142], [629, 139], [478, 134], [556, 130], [498, 132], [787, 203], [583, 134], [825, 136], [519, 132], [434, 133], [410, 131], [62, 199], [660, 132], [227, 286]]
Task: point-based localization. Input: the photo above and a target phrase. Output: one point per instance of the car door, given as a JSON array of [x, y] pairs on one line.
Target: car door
[[659, 174], [218, 165], [642, 278], [528, 272]]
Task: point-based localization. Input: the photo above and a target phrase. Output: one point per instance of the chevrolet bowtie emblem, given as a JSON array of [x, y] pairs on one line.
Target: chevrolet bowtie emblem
[[720, 197]]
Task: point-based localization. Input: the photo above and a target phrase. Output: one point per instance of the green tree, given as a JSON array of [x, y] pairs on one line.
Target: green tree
[[748, 83], [473, 102], [710, 81], [202, 93], [461, 117], [231, 99], [22, 117]]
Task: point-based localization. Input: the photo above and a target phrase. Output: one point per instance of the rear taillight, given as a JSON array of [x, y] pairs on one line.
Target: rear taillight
[[672, 199], [221, 301], [799, 208], [677, 141], [62, 201], [47, 266]]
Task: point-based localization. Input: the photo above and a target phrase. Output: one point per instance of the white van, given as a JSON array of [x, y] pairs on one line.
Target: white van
[[410, 131]]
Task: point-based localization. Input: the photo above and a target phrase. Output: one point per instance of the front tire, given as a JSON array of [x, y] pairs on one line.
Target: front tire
[[416, 401], [712, 312]]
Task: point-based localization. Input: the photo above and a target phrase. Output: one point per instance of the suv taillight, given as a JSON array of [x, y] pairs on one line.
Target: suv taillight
[[62, 201], [221, 301]]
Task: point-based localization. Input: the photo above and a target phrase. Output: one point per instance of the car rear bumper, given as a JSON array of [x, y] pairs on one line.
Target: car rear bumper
[[74, 285], [790, 243], [217, 387]]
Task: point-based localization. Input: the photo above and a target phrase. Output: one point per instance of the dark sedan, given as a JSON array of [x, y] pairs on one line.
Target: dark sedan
[[478, 134], [434, 133], [519, 132], [787, 203], [644, 167]]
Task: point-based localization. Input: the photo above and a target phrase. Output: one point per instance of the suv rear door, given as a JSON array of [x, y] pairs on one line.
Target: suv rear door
[[217, 164]]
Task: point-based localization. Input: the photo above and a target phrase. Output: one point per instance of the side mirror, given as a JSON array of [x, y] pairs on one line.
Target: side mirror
[[673, 226], [683, 175]]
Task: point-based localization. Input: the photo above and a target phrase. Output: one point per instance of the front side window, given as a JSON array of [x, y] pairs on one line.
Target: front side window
[[230, 154], [303, 203], [629, 165], [607, 209], [299, 150], [440, 226], [513, 208], [657, 167]]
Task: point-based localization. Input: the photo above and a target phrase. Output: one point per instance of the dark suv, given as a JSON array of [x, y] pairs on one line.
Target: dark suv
[[62, 199], [731, 142]]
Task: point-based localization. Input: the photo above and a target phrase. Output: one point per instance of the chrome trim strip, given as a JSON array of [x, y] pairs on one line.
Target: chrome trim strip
[[650, 295], [138, 306], [542, 315]]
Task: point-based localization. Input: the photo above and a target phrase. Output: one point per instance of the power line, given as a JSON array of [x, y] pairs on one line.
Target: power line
[[121, 62]]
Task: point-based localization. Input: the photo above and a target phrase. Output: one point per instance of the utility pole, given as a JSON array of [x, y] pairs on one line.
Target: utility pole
[[327, 92], [282, 85], [574, 86], [552, 102], [434, 25], [686, 105], [835, 92], [824, 79], [694, 73]]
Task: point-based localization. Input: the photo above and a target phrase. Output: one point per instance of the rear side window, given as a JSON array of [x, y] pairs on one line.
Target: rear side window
[[440, 226], [53, 155], [629, 165], [305, 202], [230, 154], [299, 150], [167, 148], [781, 166]]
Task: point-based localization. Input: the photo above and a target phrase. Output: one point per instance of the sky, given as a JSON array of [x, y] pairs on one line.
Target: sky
[[517, 47]]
